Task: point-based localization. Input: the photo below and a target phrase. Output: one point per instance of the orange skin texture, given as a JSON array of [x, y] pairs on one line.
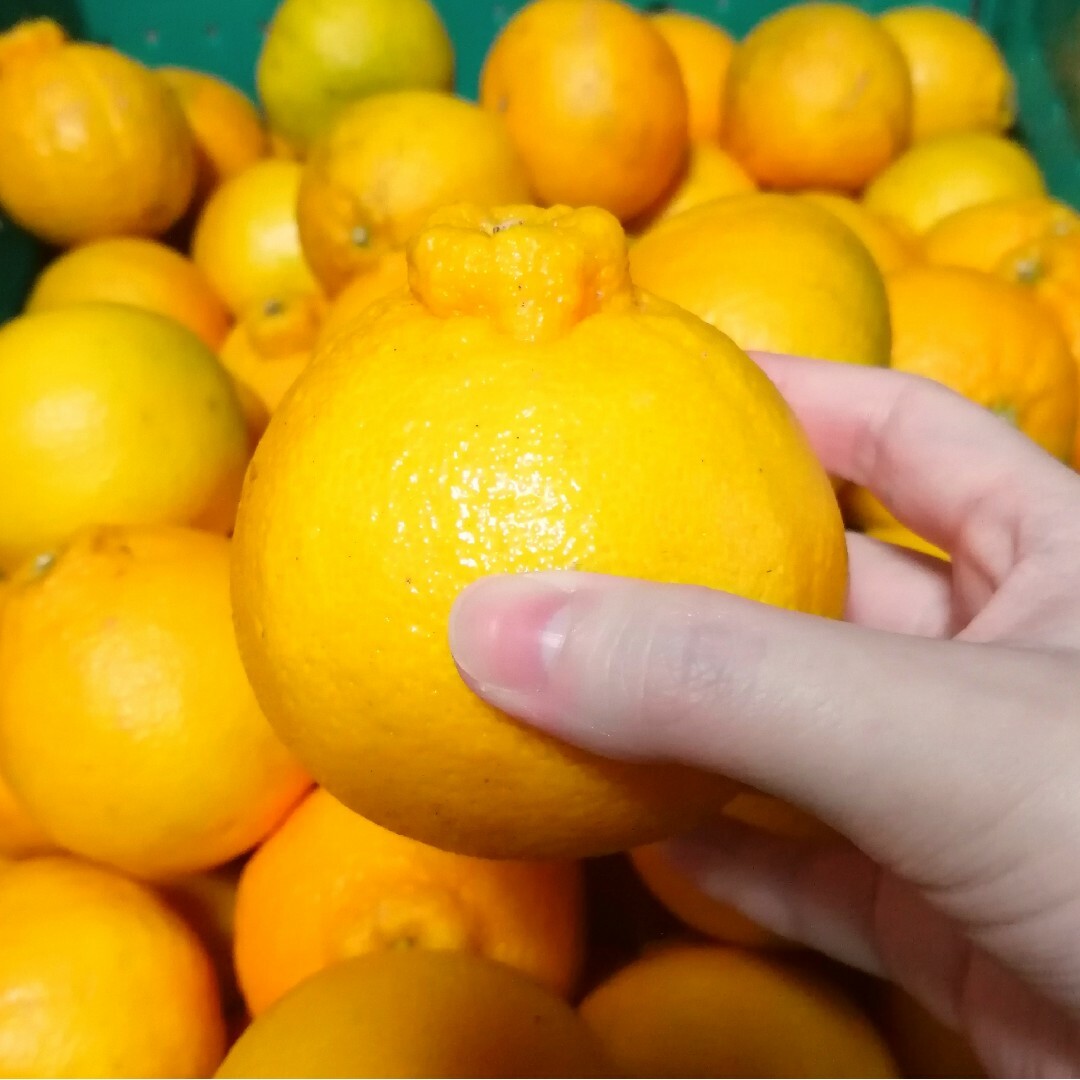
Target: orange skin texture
[[142, 273], [890, 243], [817, 95], [594, 100], [524, 346], [329, 885], [93, 144]]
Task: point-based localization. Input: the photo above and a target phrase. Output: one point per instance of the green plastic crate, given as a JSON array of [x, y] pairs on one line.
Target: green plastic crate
[[1041, 39]]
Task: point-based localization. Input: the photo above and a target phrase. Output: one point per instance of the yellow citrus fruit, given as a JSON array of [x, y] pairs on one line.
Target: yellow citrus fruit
[[595, 427], [894, 533], [774, 272], [923, 1045], [389, 161], [142, 273], [817, 95], [703, 51], [941, 176], [710, 173], [594, 100], [389, 275], [127, 725], [414, 1012], [960, 80], [20, 835], [981, 236], [329, 885], [247, 242], [99, 978], [113, 415], [892, 245], [320, 55], [694, 906]]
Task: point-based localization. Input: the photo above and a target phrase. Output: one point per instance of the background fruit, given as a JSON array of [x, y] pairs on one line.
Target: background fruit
[[320, 55], [99, 978], [417, 1013], [388, 275], [774, 273], [388, 162], [329, 885], [959, 78], [247, 242], [93, 144], [892, 245], [111, 414], [594, 101], [142, 273], [710, 173], [127, 725], [817, 95]]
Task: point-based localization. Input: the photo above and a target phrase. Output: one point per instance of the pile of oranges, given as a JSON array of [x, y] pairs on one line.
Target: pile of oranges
[[294, 376]]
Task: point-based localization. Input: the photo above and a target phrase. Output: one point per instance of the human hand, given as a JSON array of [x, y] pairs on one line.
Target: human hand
[[937, 728]]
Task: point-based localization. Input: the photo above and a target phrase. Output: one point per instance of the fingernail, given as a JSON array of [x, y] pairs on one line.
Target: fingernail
[[505, 634]]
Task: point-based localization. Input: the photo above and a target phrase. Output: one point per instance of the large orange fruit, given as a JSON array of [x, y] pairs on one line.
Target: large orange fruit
[[774, 273], [817, 95], [892, 245], [593, 427], [710, 173], [92, 143], [414, 1012], [142, 273], [127, 725], [99, 978], [712, 1011], [329, 885], [388, 162], [112, 415], [594, 100]]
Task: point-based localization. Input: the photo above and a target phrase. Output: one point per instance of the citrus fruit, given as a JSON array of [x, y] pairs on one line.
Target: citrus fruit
[[320, 55], [703, 51], [20, 835], [127, 725], [892, 245], [329, 885], [960, 80], [892, 532], [981, 236], [135, 271], [817, 95], [247, 242], [93, 144], [694, 906], [710, 173], [411, 1012], [114, 415], [593, 427], [228, 131], [774, 272], [594, 100], [99, 978], [923, 1045], [385, 164], [713, 1011], [941, 176], [388, 275]]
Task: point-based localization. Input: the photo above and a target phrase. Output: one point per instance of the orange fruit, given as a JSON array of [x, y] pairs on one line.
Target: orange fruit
[[941, 176], [20, 835], [127, 726], [694, 906], [93, 144], [110, 414], [228, 131], [142, 273], [923, 1045], [894, 533], [390, 274], [594, 100], [412, 1012], [817, 95], [981, 236], [329, 885], [99, 978], [710, 173], [282, 149], [703, 1010], [960, 80], [593, 427], [385, 164], [775, 273], [891, 244], [703, 51], [247, 242]]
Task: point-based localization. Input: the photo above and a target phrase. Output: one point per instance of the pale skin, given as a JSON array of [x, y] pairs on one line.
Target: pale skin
[[937, 728]]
